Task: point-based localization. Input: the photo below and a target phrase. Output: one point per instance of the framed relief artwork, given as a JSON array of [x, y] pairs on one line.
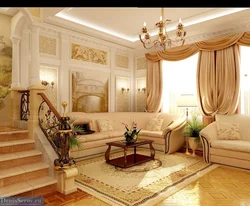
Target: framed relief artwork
[[90, 91]]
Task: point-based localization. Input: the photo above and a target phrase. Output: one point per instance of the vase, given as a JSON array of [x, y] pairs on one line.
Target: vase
[[193, 143], [130, 140]]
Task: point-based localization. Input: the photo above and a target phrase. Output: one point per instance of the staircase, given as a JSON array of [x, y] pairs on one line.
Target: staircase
[[22, 172]]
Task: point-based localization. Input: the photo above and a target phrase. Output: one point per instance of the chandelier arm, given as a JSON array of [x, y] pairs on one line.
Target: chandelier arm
[[163, 39], [182, 43]]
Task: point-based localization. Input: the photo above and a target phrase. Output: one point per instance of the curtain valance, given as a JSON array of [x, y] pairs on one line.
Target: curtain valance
[[183, 52]]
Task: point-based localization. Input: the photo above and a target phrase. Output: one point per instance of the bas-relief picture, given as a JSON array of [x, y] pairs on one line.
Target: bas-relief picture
[[90, 91], [5, 70], [84, 53]]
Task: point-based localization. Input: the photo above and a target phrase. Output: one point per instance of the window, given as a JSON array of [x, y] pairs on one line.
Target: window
[[244, 80], [179, 77]]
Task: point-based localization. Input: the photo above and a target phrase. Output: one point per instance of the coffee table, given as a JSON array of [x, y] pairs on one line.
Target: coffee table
[[129, 160]]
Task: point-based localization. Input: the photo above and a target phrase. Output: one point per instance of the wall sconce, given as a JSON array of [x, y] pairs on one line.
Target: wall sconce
[[123, 89], [142, 89], [45, 83]]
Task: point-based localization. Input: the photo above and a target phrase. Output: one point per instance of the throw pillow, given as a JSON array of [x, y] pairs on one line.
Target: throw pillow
[[104, 125], [154, 124], [228, 131]]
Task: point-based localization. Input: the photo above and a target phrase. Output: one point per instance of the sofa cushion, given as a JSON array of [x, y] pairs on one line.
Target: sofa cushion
[[93, 137], [154, 124], [242, 119], [104, 125], [228, 131], [239, 145], [151, 133]]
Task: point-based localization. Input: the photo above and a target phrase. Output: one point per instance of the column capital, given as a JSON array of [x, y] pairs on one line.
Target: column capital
[[64, 36], [35, 28], [15, 39]]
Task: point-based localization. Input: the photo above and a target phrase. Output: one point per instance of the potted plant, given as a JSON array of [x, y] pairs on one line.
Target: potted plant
[[193, 128]]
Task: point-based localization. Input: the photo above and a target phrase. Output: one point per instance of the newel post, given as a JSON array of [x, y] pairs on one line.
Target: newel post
[[65, 166]]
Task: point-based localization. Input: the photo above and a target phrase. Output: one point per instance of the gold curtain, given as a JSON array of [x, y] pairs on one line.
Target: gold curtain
[[154, 86], [218, 57], [183, 52], [218, 80]]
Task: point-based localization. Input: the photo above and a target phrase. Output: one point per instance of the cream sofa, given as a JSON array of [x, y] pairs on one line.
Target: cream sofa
[[169, 139], [233, 152]]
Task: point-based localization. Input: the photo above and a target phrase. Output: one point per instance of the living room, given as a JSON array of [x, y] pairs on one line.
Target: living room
[[97, 75]]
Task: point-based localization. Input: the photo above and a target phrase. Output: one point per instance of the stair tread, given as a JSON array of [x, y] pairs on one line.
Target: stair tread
[[29, 185], [16, 142], [41, 181], [22, 169], [16, 155], [14, 131]]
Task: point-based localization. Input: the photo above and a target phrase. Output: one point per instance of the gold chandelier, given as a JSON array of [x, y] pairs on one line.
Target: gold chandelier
[[163, 39]]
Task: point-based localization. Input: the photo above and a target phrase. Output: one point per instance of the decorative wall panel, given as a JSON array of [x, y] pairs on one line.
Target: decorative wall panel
[[49, 74], [141, 63], [141, 94], [5, 70], [87, 54], [47, 45], [122, 94], [90, 91], [122, 61]]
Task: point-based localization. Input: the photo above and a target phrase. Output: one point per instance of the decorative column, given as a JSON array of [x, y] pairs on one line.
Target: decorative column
[[24, 61], [35, 57], [112, 81], [132, 82], [15, 85], [15, 62], [64, 70]]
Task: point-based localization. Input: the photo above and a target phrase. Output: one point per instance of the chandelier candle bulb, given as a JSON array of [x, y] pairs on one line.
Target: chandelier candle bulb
[[160, 18], [144, 24], [180, 20]]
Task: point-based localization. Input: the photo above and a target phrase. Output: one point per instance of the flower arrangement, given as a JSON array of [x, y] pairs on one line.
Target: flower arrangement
[[132, 134]]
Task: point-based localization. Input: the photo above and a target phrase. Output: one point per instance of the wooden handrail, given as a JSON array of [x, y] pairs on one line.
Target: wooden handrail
[[58, 116]]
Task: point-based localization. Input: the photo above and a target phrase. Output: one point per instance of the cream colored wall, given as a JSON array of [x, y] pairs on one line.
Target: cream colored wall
[[5, 112], [5, 28]]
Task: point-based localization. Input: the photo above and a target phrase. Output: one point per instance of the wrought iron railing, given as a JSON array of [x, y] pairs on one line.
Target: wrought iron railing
[[24, 105], [57, 130]]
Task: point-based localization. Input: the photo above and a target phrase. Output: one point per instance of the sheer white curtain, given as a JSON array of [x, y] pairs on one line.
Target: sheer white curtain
[[245, 80], [179, 77]]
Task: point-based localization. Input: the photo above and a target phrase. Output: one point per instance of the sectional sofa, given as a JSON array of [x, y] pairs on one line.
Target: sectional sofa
[[227, 140], [165, 129]]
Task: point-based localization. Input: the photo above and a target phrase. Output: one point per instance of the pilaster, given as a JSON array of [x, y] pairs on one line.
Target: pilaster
[[24, 61], [112, 81], [35, 57], [15, 62], [64, 70]]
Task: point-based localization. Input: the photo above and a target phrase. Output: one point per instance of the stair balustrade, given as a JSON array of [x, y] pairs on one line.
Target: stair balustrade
[[24, 105], [57, 130]]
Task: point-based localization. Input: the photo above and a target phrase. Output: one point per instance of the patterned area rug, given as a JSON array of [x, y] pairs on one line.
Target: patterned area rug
[[143, 187]]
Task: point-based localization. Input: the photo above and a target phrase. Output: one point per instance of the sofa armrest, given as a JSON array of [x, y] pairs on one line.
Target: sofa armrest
[[173, 134], [174, 126], [207, 135], [209, 132]]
